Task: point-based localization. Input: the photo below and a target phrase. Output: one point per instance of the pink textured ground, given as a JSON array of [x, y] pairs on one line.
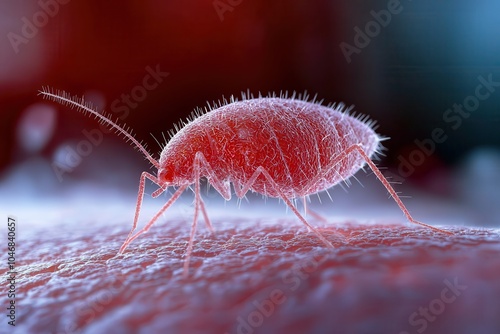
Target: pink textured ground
[[255, 277]]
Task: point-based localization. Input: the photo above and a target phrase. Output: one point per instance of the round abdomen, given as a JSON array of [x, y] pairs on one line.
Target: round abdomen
[[295, 141]]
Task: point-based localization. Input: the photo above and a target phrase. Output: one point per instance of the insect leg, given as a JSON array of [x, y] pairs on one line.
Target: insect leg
[[357, 148], [197, 204], [223, 188], [304, 203], [200, 162], [205, 216], [390, 189], [260, 170], [219, 186], [306, 210], [171, 201], [140, 197], [312, 213]]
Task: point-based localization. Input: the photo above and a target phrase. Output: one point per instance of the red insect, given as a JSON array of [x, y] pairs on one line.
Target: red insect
[[280, 147]]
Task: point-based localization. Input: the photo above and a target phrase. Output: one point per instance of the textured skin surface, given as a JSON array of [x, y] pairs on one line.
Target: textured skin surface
[[71, 281], [294, 140]]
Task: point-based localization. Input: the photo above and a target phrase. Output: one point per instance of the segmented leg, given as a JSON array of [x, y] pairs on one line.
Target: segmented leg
[[260, 170], [171, 201], [224, 190], [380, 176], [140, 197], [205, 216], [316, 215], [391, 190], [197, 201]]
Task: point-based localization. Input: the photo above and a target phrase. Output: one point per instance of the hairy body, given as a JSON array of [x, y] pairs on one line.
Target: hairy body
[[277, 146], [293, 140]]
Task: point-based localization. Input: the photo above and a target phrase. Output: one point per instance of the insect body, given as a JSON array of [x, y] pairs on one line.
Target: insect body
[[280, 147], [294, 141]]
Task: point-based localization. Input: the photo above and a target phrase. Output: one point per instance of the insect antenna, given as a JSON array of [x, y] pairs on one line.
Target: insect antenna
[[85, 107]]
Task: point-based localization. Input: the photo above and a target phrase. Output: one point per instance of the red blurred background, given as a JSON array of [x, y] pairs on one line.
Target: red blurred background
[[427, 58], [105, 47]]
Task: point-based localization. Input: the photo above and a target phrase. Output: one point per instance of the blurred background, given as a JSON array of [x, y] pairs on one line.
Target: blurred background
[[410, 65]]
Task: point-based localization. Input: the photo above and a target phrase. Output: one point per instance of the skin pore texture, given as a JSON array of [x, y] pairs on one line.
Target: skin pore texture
[[257, 276], [280, 147], [254, 275]]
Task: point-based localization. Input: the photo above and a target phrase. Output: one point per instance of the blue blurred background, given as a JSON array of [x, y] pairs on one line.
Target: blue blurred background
[[406, 64]]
